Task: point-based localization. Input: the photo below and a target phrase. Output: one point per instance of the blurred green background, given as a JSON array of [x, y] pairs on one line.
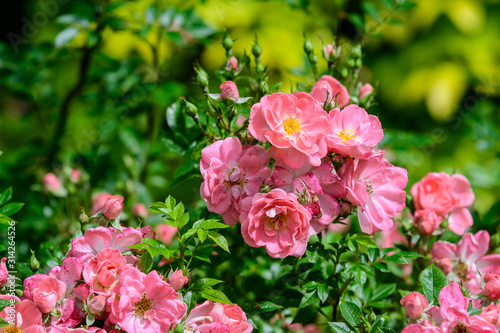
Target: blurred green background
[[113, 68]]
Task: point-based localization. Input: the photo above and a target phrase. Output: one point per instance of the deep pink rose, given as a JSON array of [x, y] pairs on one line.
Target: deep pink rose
[[46, 294], [4, 273], [445, 195], [229, 90], [113, 206], [277, 221], [328, 90], [354, 132], [491, 314], [98, 201], [377, 188], [427, 221], [177, 280], [231, 172], [365, 90], [492, 286], [294, 124], [415, 303]]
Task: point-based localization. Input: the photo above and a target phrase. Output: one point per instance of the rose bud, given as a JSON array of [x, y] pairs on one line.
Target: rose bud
[[415, 304], [329, 52], [140, 210], [229, 90], [52, 183], [97, 304], [75, 176], [491, 314], [427, 221], [177, 280], [492, 286], [365, 90], [98, 201], [232, 64], [444, 265], [113, 207]]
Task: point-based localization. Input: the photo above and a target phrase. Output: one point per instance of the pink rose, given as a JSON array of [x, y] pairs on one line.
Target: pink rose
[[46, 294], [427, 221], [97, 304], [231, 172], [277, 221], [4, 273], [75, 176], [229, 90], [445, 195], [354, 132], [52, 183], [27, 317], [328, 90], [113, 206], [177, 280], [98, 201], [140, 210], [232, 64], [102, 272], [415, 303], [492, 286], [211, 317], [444, 265], [235, 319], [491, 314], [165, 232], [365, 90], [294, 124]]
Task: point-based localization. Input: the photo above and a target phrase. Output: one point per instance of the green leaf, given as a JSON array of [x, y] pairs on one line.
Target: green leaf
[[153, 251], [323, 292], [4, 303], [403, 293], [170, 202], [209, 224], [369, 8], [11, 208], [309, 299], [165, 252], [215, 295], [183, 220], [202, 234], [340, 327], [432, 280], [204, 283], [150, 242], [3, 322], [190, 300], [357, 21], [146, 262], [350, 312], [383, 291], [116, 224], [66, 36], [178, 211], [219, 240], [268, 306], [139, 246], [365, 240], [5, 196]]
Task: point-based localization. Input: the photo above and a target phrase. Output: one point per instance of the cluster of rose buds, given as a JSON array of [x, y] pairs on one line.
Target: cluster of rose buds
[[326, 162]]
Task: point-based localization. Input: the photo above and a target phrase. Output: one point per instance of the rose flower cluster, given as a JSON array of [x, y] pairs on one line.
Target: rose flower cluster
[[99, 287], [326, 163]]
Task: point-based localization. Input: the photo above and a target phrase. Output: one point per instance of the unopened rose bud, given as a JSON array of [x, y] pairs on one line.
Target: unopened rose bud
[[34, 263], [365, 91], [313, 58], [229, 90], [356, 51], [308, 46], [201, 76], [232, 64], [492, 314], [52, 183], [140, 210], [492, 286], [177, 280], [415, 304], [444, 265], [427, 221], [97, 304], [329, 52], [75, 176], [256, 50], [227, 42], [113, 207], [190, 109], [345, 208], [84, 218]]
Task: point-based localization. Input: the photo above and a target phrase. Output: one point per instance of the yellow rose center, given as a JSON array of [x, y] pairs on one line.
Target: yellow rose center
[[291, 125], [12, 329], [346, 134], [142, 306], [278, 222]]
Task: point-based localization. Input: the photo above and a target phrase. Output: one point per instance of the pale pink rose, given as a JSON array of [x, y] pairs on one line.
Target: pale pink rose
[[218, 318], [113, 206], [97, 239], [140, 210], [231, 172], [165, 232], [277, 221], [415, 303], [26, 315], [467, 259], [4, 272], [177, 280], [294, 124], [354, 132], [492, 286], [329, 90], [377, 188], [229, 90], [232, 64], [329, 52], [46, 294], [145, 303], [427, 221], [52, 183], [102, 272], [445, 195], [317, 189], [491, 314], [365, 90], [97, 304], [98, 201], [75, 176]]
